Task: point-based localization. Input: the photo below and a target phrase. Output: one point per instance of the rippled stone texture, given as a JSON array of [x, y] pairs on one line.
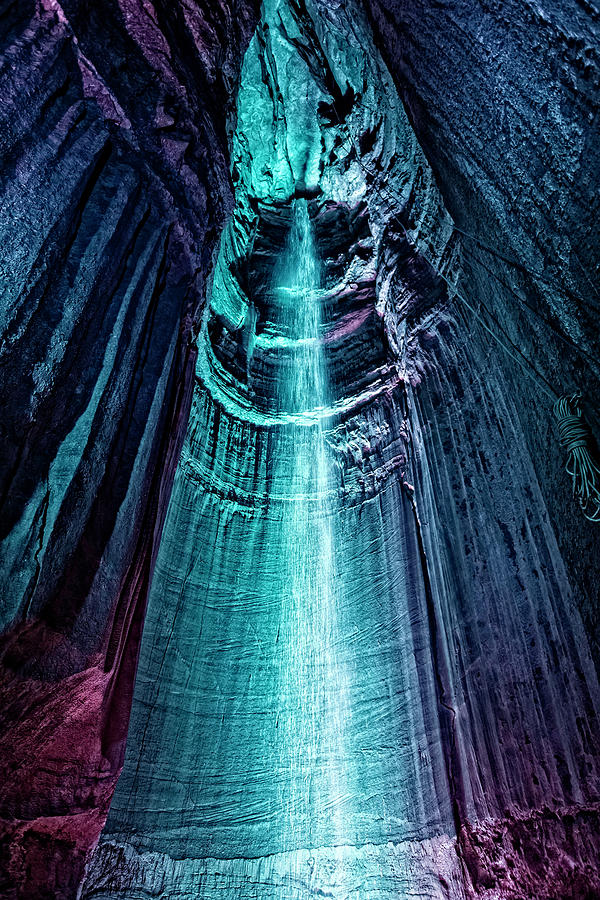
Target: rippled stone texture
[[508, 120], [114, 187], [504, 99], [294, 680], [425, 722]]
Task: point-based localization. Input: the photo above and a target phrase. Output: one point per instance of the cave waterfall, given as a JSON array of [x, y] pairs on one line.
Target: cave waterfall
[[314, 696]]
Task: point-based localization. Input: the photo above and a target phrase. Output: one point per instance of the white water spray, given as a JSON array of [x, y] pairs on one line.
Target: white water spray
[[314, 674]]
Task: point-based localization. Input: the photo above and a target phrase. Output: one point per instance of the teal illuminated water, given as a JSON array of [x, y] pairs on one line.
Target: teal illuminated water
[[283, 740], [280, 745], [319, 718]]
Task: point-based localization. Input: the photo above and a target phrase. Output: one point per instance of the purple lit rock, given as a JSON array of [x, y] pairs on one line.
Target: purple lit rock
[[115, 186], [464, 651]]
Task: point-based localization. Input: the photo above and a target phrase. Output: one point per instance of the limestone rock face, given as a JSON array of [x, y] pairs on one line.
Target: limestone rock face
[[505, 104], [115, 184], [509, 123], [283, 331], [367, 697]]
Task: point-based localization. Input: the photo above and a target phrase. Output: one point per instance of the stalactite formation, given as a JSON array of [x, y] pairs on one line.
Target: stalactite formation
[[299, 335]]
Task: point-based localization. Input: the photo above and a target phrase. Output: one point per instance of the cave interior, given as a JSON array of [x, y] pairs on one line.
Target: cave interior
[[299, 590]]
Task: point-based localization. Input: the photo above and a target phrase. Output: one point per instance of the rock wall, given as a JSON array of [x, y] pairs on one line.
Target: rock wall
[[115, 185], [503, 98], [504, 101], [423, 719], [463, 565]]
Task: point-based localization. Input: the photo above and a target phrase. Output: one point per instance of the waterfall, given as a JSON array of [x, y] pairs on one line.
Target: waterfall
[[282, 752], [313, 674]]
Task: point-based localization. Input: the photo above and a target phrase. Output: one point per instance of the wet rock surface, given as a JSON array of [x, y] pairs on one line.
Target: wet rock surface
[[114, 187], [369, 664], [509, 124]]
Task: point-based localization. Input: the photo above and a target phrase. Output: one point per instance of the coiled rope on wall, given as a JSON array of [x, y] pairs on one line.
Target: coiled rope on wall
[[574, 433], [576, 437]]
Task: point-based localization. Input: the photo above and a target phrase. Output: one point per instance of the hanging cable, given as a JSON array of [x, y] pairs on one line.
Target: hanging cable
[[536, 312]]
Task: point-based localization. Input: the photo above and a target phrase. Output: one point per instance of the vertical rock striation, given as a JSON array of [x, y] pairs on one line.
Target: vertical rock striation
[[369, 665], [504, 101], [115, 185]]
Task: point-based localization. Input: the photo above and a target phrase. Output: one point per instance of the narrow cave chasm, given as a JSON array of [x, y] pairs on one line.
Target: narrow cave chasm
[[291, 294], [285, 737], [338, 692]]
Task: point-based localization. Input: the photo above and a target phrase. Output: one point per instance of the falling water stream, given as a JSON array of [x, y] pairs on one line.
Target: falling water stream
[[313, 673], [283, 741]]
